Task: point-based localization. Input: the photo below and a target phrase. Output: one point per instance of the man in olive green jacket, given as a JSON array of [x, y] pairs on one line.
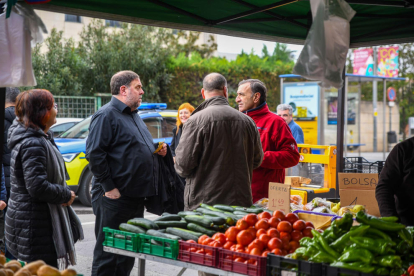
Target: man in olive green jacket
[[218, 150]]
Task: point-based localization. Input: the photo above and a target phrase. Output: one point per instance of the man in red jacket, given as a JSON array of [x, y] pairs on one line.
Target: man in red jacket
[[279, 146]]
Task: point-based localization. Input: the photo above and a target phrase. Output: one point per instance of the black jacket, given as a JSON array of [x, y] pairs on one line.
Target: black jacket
[[9, 116], [28, 229], [395, 189], [176, 139]]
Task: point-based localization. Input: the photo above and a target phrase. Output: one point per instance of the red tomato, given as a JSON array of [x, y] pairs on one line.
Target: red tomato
[[251, 262], [296, 235], [273, 233], [286, 244], [191, 241], [291, 251], [256, 252], [285, 236], [264, 254], [202, 238], [207, 241], [192, 249], [309, 224], [264, 215], [257, 244], [239, 247], [216, 244], [242, 224], [273, 222], [299, 225], [233, 247], [294, 245], [220, 237], [292, 218], [252, 230], [410, 268], [231, 234], [284, 226], [200, 251], [307, 232], [244, 237], [284, 252], [262, 224], [239, 260], [274, 243], [279, 214], [265, 238], [277, 251], [228, 245], [260, 232], [251, 219], [412, 273]]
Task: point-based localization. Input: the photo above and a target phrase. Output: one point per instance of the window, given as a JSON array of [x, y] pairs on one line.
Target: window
[[154, 127], [57, 130], [113, 23], [79, 131], [168, 124], [73, 18]]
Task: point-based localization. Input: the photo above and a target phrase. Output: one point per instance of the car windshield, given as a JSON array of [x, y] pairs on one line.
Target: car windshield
[[79, 131]]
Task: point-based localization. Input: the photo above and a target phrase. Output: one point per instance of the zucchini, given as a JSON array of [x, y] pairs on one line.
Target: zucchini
[[249, 210], [200, 229], [216, 220], [240, 213], [165, 224], [202, 205], [230, 219], [144, 223], [169, 218], [131, 228], [188, 213], [224, 207], [161, 230], [158, 234], [239, 217], [165, 214], [203, 221], [119, 236], [184, 234]]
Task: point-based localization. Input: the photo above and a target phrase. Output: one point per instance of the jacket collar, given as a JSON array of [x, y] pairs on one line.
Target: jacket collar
[[216, 100], [123, 108], [258, 111]]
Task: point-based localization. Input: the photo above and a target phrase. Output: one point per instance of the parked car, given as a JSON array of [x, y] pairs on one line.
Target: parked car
[[72, 145], [63, 124]]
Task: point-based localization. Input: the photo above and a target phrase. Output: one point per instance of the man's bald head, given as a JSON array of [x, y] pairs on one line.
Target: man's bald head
[[214, 81]]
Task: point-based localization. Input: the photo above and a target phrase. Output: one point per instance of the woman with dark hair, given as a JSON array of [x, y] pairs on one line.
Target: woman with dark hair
[[40, 224]]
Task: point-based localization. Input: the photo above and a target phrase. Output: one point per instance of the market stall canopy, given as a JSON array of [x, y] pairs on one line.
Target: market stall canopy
[[376, 22]]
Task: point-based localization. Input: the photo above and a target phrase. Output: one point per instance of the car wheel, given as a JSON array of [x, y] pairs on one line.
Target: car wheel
[[85, 188]]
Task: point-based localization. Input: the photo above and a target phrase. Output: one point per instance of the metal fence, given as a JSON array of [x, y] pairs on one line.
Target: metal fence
[[80, 107]]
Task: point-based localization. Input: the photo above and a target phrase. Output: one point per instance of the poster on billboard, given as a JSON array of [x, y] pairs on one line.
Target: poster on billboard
[[388, 62], [304, 99], [333, 109], [363, 62]]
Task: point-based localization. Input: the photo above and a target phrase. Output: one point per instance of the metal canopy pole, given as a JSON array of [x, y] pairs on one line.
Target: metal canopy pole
[[384, 110], [340, 131], [374, 101], [2, 107]]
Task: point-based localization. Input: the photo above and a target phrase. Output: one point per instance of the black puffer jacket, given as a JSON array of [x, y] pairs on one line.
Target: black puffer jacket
[[9, 117], [28, 222]]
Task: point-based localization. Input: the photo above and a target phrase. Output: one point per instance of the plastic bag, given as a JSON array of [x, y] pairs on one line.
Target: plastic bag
[[352, 209], [262, 203], [324, 54]]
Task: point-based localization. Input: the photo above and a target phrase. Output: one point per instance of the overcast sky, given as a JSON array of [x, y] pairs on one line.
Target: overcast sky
[[235, 45]]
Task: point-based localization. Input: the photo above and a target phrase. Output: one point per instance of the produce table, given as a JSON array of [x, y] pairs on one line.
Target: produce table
[[142, 257]]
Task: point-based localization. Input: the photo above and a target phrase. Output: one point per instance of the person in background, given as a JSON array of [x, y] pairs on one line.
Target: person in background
[[184, 112], [395, 189], [218, 150], [286, 111], [38, 222], [279, 146]]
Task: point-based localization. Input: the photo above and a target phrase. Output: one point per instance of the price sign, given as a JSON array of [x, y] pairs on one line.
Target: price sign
[[279, 197]]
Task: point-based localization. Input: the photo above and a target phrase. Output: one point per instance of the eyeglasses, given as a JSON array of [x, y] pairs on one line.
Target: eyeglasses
[[55, 106]]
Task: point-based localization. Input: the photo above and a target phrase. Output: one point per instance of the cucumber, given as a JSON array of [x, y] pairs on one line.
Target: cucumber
[[224, 207], [165, 224], [230, 219], [188, 213], [216, 220], [131, 228], [202, 205], [118, 236], [240, 213], [239, 217], [200, 229], [165, 214], [184, 234], [161, 230], [203, 221], [144, 223], [169, 218], [158, 234], [249, 210]]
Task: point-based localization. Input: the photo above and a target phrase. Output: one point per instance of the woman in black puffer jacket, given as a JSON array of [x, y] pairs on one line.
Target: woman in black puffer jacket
[[36, 226]]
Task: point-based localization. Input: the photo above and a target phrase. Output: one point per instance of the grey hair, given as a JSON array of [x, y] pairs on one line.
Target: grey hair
[[214, 81], [122, 78], [11, 94], [285, 107], [257, 87]]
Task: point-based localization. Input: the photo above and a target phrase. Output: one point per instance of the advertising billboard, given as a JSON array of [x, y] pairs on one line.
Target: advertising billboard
[[388, 62], [363, 62]]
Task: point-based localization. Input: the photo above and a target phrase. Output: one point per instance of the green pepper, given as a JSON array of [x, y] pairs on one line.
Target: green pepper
[[379, 233], [397, 272], [381, 271], [311, 251], [390, 219], [361, 267], [305, 241], [299, 253], [381, 246], [380, 224], [356, 255], [322, 257], [324, 243], [406, 236], [403, 248], [342, 226], [340, 243], [391, 261]]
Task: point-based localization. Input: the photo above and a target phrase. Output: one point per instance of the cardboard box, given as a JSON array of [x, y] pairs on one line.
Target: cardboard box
[[279, 197], [359, 189], [297, 181]]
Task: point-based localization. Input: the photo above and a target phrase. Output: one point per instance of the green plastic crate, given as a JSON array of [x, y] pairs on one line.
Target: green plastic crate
[[158, 246], [121, 239]]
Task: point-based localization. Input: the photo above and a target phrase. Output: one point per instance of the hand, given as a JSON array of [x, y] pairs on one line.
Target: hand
[[174, 159], [113, 194], [163, 151], [2, 205], [72, 198]]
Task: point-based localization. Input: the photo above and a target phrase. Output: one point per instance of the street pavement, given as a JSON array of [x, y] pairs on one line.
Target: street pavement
[[84, 249]]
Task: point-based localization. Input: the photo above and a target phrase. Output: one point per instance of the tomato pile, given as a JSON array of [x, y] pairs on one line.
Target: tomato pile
[[261, 234]]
